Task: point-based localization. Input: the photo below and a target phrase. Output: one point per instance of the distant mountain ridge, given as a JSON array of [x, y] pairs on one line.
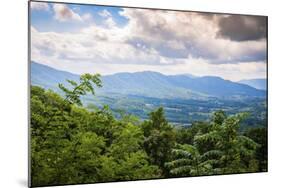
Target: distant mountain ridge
[[256, 83], [150, 84]]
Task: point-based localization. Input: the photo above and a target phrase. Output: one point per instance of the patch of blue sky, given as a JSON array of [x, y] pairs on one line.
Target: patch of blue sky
[[94, 10], [44, 21]]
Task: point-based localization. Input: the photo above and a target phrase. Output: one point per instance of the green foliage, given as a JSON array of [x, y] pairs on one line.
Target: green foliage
[[78, 89], [159, 138], [190, 162], [218, 117], [259, 135], [219, 150], [71, 144]]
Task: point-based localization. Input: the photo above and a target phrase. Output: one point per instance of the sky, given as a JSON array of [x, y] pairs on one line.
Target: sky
[[106, 40]]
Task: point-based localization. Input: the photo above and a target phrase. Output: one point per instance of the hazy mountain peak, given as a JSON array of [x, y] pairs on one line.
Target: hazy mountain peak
[[259, 83], [150, 84]]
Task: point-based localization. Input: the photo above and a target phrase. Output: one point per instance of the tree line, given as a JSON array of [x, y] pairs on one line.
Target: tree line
[[71, 144]]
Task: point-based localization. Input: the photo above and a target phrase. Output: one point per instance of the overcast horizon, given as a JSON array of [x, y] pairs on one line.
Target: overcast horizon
[[107, 40]]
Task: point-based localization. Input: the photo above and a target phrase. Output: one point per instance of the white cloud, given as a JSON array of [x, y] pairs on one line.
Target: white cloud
[[196, 33], [87, 17], [74, 52], [39, 6], [64, 13], [167, 42], [94, 45], [104, 13], [109, 21]]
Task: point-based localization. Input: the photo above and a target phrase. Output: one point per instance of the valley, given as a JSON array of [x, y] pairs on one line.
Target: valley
[[185, 98]]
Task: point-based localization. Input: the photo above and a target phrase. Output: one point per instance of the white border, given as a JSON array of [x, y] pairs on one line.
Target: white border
[[13, 125]]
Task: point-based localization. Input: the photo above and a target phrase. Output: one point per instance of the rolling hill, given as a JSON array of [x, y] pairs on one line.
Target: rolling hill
[[150, 84], [256, 83]]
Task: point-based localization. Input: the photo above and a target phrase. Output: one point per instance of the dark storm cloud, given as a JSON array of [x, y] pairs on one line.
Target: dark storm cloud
[[242, 28]]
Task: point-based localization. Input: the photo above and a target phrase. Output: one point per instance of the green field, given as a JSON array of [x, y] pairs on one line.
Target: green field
[[181, 111]]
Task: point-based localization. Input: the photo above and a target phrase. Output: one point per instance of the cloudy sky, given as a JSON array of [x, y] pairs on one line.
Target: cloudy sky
[[85, 38]]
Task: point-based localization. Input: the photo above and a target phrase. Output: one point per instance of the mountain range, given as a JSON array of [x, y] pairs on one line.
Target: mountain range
[[256, 83], [150, 84]]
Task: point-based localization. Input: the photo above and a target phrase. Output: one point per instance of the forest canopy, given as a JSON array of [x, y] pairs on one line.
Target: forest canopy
[[72, 144]]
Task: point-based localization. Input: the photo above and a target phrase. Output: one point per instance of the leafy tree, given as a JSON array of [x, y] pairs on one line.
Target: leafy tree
[[220, 150], [184, 135], [237, 151], [71, 144], [189, 162], [81, 88], [218, 117], [259, 135], [126, 149], [159, 138]]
